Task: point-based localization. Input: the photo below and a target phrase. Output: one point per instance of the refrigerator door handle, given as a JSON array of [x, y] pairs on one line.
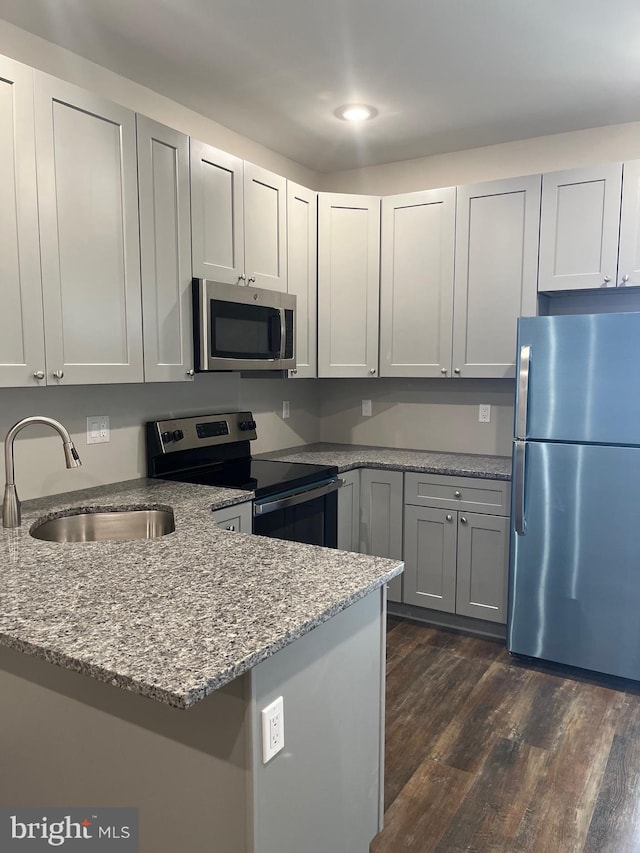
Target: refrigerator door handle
[[520, 456], [523, 391]]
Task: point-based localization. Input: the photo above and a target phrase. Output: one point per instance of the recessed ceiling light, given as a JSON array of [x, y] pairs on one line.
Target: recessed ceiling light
[[356, 112]]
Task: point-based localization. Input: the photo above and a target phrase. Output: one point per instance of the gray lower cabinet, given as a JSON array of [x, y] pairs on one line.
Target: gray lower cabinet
[[456, 561], [349, 511], [381, 519], [237, 518]]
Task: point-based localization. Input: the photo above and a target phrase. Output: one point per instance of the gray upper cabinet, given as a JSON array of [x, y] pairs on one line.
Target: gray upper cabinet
[[416, 283], [265, 228], [629, 247], [22, 359], [217, 214], [302, 246], [579, 228], [348, 285], [165, 251], [88, 209], [495, 273], [238, 220]]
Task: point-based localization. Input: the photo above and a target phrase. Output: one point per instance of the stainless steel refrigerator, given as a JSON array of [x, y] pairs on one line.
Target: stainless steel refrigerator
[[574, 573]]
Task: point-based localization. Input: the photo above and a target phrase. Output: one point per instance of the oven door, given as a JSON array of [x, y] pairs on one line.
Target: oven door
[[242, 328], [309, 515]]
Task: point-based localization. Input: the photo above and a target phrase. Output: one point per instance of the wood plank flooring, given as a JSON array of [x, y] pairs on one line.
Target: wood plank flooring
[[485, 753]]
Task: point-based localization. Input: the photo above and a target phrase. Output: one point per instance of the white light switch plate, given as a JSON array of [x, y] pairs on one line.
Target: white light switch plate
[[98, 429]]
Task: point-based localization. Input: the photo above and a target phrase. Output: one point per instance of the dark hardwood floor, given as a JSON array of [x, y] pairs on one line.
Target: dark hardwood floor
[[487, 753]]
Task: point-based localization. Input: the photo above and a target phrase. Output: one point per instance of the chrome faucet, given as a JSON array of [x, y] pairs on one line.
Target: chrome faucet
[[11, 503]]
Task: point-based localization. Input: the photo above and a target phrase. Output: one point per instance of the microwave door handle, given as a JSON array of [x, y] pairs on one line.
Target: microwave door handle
[[283, 334], [203, 322]]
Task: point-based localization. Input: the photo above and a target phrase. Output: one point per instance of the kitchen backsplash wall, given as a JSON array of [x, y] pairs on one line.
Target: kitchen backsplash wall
[[428, 414], [38, 453]]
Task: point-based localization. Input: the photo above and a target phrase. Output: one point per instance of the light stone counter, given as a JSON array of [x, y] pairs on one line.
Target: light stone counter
[[172, 618], [348, 456]]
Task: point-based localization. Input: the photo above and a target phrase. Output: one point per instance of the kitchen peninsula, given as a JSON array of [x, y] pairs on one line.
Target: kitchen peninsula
[[134, 674]]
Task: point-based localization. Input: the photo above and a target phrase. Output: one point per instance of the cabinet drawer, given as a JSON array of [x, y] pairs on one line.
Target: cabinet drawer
[[466, 493]]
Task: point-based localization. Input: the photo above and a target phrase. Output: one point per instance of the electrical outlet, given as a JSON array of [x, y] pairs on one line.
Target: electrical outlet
[[366, 408], [286, 411], [98, 429], [272, 729], [484, 413]]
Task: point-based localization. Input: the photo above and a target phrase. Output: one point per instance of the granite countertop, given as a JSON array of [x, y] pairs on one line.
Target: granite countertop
[[172, 618], [348, 456]]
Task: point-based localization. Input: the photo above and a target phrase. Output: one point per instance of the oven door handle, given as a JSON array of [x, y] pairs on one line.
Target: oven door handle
[[262, 508]]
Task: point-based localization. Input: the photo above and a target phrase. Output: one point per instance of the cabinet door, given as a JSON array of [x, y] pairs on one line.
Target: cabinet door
[[629, 248], [381, 519], [21, 330], [416, 283], [165, 251], [430, 558], [302, 277], [237, 518], [265, 228], [483, 565], [348, 285], [349, 511], [217, 218], [495, 273], [579, 228], [88, 204]]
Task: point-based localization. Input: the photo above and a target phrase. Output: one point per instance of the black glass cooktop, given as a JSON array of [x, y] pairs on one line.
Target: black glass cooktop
[[265, 477]]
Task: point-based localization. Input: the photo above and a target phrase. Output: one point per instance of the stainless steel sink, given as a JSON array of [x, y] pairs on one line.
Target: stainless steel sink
[[115, 525]]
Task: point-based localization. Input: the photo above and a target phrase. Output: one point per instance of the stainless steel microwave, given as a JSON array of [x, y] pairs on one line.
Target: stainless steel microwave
[[242, 328]]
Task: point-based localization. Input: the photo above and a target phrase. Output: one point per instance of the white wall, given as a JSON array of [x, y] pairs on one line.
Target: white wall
[[510, 159], [425, 414], [41, 54], [264, 397]]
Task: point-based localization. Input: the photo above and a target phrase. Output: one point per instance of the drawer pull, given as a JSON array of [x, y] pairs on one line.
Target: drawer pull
[[457, 494], [449, 518], [463, 520]]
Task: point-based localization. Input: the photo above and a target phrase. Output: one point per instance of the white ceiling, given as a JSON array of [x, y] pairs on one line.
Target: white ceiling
[[444, 74]]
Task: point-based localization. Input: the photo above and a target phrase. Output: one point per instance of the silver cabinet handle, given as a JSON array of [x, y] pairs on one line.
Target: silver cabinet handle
[[191, 372], [231, 527], [623, 280], [523, 391], [38, 374], [456, 370], [457, 494], [58, 374], [607, 279], [294, 370], [463, 520], [251, 279], [518, 486], [443, 370], [449, 518], [372, 371], [242, 278]]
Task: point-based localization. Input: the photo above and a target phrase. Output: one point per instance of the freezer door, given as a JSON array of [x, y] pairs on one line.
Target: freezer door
[[574, 574], [583, 378]]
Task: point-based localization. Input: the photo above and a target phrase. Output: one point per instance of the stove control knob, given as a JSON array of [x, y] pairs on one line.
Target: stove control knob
[[244, 425], [252, 424], [166, 437], [178, 435]]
